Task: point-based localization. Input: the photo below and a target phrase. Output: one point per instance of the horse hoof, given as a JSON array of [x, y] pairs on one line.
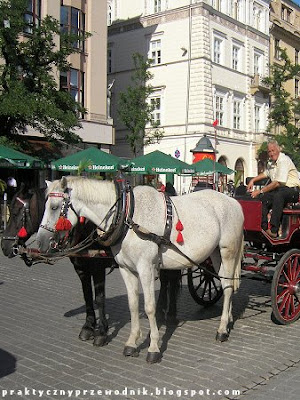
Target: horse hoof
[[153, 357], [222, 337], [130, 351], [100, 341], [86, 334]]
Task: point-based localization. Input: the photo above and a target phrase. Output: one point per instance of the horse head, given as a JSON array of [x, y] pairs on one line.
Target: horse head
[[26, 211], [68, 201], [55, 225]]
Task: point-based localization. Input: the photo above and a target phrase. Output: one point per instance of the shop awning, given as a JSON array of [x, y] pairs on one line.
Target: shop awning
[[11, 158]]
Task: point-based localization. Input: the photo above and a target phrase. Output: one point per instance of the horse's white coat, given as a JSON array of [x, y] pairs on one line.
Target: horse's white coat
[[213, 226]]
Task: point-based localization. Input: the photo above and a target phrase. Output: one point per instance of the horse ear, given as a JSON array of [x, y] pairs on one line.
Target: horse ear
[[64, 182], [48, 183]]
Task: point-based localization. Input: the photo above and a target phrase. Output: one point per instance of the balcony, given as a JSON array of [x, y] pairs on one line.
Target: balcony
[[257, 85]]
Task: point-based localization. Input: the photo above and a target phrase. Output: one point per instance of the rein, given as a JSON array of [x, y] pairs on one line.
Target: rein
[[124, 205]]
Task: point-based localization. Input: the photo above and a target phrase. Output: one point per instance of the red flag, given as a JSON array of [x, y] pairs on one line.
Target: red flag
[[215, 123]]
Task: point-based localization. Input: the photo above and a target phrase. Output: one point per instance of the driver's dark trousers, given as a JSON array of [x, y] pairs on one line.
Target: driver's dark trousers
[[276, 200]]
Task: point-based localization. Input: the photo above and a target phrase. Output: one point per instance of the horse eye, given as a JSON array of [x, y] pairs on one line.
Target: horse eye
[[54, 208]]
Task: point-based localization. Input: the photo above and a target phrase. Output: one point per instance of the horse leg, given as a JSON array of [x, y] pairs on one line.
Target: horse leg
[[227, 270], [132, 286], [101, 328], [147, 281], [87, 331], [162, 301], [174, 277]]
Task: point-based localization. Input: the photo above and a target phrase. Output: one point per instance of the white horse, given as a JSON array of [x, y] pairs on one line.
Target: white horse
[[211, 226]]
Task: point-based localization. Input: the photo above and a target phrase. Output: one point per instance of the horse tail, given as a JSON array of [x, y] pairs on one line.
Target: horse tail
[[238, 267]]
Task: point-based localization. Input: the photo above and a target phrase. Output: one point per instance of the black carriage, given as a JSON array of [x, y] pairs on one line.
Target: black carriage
[[274, 260]]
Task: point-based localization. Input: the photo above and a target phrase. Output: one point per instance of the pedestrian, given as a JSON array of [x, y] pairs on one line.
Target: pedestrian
[[11, 188], [170, 190], [283, 187]]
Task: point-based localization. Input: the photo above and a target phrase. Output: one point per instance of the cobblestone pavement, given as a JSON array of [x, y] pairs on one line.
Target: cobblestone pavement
[[42, 312]]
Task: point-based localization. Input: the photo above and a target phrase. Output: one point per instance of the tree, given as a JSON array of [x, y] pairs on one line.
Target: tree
[[284, 106], [135, 110], [29, 94]]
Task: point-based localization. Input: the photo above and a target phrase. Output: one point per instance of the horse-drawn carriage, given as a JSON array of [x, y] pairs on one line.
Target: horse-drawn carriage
[[274, 260]]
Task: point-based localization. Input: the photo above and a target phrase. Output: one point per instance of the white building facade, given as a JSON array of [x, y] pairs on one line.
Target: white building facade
[[208, 61]]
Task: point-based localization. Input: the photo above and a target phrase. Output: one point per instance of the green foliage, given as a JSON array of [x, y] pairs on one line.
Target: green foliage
[[284, 106], [29, 94], [3, 187], [134, 109]]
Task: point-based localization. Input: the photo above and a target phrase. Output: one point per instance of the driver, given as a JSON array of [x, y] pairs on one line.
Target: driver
[[283, 187]]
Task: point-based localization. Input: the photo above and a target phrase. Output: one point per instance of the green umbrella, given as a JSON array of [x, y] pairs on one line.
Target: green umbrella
[[10, 158], [96, 159], [159, 163], [209, 167]]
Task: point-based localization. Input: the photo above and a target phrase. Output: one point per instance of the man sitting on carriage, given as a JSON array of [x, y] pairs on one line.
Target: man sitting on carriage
[[283, 187]]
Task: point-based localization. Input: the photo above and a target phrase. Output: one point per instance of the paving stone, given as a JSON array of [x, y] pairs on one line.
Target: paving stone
[[261, 359]]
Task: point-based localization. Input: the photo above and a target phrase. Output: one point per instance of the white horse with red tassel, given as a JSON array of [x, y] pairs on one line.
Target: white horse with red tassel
[[203, 224]]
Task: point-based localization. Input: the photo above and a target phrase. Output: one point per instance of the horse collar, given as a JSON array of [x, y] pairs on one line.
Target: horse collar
[[124, 211]]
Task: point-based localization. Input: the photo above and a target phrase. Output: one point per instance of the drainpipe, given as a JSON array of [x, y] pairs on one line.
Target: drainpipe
[[188, 79]]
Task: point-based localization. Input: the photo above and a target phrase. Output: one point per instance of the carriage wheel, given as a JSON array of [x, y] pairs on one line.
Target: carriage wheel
[[286, 288], [204, 288]]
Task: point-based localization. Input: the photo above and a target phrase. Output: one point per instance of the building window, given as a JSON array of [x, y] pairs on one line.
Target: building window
[[296, 87], [296, 56], [32, 15], [217, 50], [257, 17], [72, 81], [257, 63], [157, 6], [72, 21], [286, 14], [220, 110], [257, 118], [109, 15], [155, 51], [109, 61], [236, 12], [235, 58], [277, 49], [217, 4], [156, 111], [236, 114]]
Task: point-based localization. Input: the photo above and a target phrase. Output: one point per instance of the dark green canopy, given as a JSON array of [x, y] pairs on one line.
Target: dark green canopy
[[96, 159], [159, 163], [10, 158], [209, 167]]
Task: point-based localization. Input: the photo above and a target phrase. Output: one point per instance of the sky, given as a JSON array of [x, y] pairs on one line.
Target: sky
[[297, 2]]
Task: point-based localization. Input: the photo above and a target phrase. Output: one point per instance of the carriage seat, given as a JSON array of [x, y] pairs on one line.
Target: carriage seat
[[292, 206]]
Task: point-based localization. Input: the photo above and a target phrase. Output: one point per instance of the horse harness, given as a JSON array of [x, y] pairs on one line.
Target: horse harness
[[122, 222], [26, 221]]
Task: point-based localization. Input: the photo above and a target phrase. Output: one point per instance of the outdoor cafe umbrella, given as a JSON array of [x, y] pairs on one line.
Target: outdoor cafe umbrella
[[209, 167], [11, 158], [158, 162], [97, 160]]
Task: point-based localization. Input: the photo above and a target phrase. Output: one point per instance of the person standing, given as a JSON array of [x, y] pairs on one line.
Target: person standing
[[283, 188]]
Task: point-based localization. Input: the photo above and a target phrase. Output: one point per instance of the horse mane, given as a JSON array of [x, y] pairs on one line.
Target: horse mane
[[87, 189]]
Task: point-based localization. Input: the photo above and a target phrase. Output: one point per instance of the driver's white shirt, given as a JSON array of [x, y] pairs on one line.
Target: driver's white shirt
[[283, 170]]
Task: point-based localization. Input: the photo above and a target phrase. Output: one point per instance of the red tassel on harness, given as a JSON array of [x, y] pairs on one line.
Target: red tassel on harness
[[22, 233], [63, 224], [179, 228], [81, 220]]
